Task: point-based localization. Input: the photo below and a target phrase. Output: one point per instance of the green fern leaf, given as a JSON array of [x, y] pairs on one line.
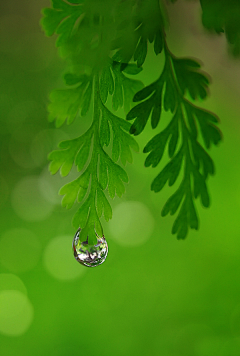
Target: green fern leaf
[[136, 31], [223, 16], [64, 159], [98, 170], [87, 34], [180, 136], [66, 104], [71, 191], [61, 19], [122, 141], [189, 78], [122, 88]]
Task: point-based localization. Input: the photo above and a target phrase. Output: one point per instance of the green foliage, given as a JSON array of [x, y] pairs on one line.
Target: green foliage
[[67, 103], [178, 78], [61, 19], [101, 40], [98, 170], [223, 16], [163, 92], [85, 30], [143, 23], [122, 88]]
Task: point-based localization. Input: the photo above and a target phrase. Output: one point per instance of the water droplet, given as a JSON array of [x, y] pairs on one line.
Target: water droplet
[[90, 255]]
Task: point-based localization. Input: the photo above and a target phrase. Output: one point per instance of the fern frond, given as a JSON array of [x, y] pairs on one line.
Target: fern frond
[[180, 76]]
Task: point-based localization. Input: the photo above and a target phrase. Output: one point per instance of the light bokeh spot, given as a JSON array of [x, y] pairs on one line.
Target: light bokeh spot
[[28, 200], [50, 184], [20, 250], [36, 59], [132, 223], [48, 189], [10, 281], [16, 312], [4, 191], [43, 143], [59, 261], [21, 113]]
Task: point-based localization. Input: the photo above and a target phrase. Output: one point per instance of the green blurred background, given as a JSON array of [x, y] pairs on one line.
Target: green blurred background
[[154, 295]]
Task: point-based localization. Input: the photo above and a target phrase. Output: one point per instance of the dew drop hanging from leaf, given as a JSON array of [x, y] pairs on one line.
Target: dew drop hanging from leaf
[[87, 254]]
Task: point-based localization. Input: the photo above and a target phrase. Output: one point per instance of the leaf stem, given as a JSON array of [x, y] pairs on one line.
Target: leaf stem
[[168, 57]]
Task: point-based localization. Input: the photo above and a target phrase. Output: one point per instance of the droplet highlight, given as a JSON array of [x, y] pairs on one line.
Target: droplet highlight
[[90, 255]]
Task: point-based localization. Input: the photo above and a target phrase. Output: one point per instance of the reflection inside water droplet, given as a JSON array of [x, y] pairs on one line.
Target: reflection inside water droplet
[[90, 255]]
